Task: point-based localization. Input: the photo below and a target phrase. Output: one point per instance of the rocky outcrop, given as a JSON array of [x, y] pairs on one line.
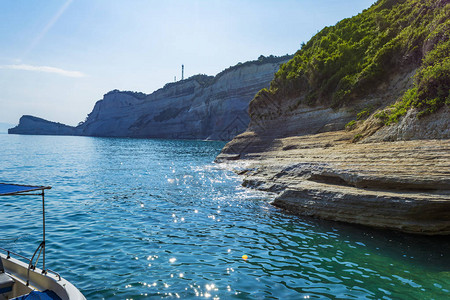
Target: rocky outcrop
[[273, 116], [412, 127], [34, 125], [200, 107], [402, 185], [394, 177], [355, 128]]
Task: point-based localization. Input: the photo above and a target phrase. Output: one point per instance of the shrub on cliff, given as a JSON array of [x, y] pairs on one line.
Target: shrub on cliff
[[431, 88], [137, 95], [353, 57]]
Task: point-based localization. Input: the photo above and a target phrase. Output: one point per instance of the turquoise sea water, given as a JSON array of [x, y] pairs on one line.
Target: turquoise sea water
[[150, 219]]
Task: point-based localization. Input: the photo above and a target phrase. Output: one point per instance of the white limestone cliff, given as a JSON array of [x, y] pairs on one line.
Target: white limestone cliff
[[200, 107]]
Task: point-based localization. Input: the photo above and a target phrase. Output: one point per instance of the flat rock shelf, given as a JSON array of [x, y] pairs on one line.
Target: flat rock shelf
[[402, 185]]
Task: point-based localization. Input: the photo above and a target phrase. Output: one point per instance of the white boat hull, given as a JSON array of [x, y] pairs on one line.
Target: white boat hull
[[18, 271]]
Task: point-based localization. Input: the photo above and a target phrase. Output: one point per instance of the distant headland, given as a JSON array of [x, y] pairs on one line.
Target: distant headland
[[199, 107]]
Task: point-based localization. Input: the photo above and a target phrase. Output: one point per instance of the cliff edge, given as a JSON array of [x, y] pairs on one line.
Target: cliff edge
[[355, 128], [34, 125], [199, 107]]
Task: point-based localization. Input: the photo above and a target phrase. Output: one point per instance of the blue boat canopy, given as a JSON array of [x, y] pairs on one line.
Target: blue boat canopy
[[7, 189]]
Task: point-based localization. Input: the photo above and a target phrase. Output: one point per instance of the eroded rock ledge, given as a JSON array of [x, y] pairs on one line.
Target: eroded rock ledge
[[402, 185]]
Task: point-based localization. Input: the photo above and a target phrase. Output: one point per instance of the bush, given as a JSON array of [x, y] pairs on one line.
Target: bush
[[350, 125]]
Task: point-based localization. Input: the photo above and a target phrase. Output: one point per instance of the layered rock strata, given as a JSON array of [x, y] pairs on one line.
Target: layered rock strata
[[388, 176], [401, 185], [200, 107]]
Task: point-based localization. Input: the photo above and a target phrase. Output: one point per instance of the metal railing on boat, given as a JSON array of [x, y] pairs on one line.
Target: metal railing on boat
[[32, 266], [8, 252]]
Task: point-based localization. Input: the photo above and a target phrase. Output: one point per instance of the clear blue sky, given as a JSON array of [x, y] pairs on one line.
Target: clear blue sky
[[58, 57]]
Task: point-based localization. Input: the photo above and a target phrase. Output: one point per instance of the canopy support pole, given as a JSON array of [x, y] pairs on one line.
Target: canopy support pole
[[10, 189], [43, 231]]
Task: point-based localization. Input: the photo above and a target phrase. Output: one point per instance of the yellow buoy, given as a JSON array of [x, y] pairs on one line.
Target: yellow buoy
[[244, 257]]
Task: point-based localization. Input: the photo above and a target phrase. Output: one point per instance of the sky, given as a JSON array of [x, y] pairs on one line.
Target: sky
[[58, 57]]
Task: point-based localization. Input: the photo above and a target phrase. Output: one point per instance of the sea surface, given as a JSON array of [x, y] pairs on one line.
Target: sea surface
[[151, 219]]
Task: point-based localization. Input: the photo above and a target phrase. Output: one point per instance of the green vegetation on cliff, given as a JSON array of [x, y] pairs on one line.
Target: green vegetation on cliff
[[352, 58], [137, 95]]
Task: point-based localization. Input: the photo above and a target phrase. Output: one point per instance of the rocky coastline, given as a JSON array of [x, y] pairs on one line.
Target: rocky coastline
[[356, 127], [393, 176], [199, 107], [401, 185]]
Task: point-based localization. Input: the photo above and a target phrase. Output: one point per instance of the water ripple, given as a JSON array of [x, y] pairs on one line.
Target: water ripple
[[137, 219]]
